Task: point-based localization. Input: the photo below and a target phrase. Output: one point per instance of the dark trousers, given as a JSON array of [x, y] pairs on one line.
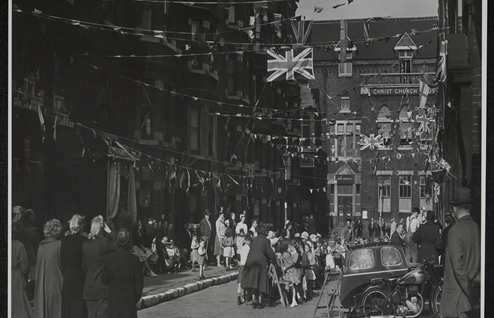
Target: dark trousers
[[97, 308]]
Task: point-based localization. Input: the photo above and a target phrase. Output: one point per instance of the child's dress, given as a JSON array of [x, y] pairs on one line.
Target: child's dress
[[228, 243], [194, 246], [290, 273], [201, 253], [309, 272]]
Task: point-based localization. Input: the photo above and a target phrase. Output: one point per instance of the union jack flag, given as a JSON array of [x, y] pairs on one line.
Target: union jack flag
[[371, 142], [301, 64], [425, 122], [301, 31]]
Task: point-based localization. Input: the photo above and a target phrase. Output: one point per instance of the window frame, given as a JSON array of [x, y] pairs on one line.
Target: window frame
[[345, 100], [384, 183], [382, 122], [404, 120], [390, 248], [361, 251], [354, 132], [403, 190]]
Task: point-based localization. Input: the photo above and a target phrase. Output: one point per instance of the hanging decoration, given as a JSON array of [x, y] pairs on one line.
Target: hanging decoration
[[425, 121], [371, 142], [301, 30], [441, 65], [302, 64]]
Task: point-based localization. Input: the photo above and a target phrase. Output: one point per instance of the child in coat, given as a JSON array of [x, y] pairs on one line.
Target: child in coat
[[194, 246], [243, 252]]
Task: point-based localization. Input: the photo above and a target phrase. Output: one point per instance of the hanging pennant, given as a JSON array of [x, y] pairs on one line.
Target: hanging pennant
[[42, 122], [289, 64]]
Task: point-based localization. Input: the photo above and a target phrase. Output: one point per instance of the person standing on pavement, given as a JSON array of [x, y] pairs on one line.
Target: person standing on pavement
[[205, 230], [449, 221], [413, 223], [241, 231], [49, 277], [254, 228], [255, 272], [347, 232], [94, 252], [122, 273], [428, 239], [30, 238], [73, 274], [461, 289], [359, 228], [21, 308], [371, 229], [312, 225], [243, 251], [220, 233]]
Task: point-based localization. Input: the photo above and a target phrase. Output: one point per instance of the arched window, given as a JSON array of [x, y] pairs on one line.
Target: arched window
[[406, 129], [384, 123]]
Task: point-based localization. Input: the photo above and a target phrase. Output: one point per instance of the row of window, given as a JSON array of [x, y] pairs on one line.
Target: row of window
[[405, 193]]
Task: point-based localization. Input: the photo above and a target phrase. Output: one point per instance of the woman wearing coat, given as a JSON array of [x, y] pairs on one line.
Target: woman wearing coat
[[122, 272], [429, 240], [73, 275], [255, 272], [21, 308], [220, 232], [49, 277]]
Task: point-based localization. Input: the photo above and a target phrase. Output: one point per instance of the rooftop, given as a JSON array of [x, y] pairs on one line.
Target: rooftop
[[388, 30]]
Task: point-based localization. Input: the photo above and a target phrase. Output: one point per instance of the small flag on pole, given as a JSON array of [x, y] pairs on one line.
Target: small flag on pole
[[42, 122]]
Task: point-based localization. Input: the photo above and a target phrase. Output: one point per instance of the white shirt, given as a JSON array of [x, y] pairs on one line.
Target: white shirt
[[413, 223], [253, 230], [240, 226], [243, 252]]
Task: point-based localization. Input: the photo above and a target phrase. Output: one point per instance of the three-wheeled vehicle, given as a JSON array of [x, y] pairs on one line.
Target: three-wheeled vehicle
[[366, 262]]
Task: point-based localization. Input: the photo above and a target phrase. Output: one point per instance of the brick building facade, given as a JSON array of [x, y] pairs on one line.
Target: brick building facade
[[374, 91]]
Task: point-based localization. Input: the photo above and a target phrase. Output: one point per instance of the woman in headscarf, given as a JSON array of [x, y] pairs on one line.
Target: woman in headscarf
[[21, 308], [220, 233], [94, 252], [73, 274], [49, 277], [255, 272]]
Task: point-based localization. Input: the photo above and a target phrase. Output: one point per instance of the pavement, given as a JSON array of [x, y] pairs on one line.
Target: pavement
[[221, 301], [166, 287]]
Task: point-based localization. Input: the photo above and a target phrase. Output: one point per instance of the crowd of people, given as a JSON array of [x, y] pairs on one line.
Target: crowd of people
[[100, 273]]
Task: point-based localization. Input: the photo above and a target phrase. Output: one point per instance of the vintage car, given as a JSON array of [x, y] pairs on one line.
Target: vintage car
[[365, 262]]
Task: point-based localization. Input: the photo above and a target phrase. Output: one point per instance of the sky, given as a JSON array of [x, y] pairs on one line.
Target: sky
[[360, 9]]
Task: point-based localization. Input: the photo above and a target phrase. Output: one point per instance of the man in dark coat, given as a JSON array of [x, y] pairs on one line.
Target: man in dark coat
[[255, 272], [94, 252], [122, 218], [205, 230], [359, 229], [428, 239], [449, 221], [122, 272], [312, 225], [461, 289], [397, 236]]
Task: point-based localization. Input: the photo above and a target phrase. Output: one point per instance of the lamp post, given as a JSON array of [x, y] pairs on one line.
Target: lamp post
[[286, 157]]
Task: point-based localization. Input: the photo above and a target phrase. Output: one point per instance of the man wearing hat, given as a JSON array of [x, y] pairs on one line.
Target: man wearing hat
[[205, 231], [122, 272], [461, 290]]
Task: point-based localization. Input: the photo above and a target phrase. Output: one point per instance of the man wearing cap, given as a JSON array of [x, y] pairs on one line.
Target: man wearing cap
[[205, 231], [461, 289]]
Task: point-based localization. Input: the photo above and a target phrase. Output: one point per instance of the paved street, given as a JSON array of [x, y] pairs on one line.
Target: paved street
[[221, 301]]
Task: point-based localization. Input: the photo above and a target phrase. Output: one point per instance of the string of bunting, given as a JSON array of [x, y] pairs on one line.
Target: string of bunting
[[161, 34]]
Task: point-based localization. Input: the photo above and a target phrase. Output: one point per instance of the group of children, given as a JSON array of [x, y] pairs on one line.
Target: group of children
[[301, 261]]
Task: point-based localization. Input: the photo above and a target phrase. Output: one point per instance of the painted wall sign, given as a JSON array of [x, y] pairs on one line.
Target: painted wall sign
[[392, 91]]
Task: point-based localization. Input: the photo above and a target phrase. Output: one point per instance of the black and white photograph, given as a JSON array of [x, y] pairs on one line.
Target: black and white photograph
[[247, 158]]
